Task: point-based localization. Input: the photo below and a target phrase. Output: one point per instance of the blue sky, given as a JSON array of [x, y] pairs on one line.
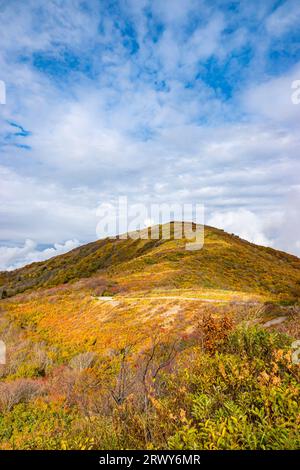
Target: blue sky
[[162, 101]]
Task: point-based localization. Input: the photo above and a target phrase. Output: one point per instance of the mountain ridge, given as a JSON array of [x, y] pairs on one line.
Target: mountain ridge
[[225, 262]]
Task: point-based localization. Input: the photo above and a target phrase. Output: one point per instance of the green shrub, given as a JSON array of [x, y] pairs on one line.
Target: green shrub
[[255, 342]]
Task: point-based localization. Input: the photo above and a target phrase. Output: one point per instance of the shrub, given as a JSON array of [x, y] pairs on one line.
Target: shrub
[[18, 391], [255, 342], [39, 425], [27, 359], [82, 361], [212, 332], [243, 398]]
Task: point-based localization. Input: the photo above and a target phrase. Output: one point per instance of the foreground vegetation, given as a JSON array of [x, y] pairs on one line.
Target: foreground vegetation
[[224, 386]]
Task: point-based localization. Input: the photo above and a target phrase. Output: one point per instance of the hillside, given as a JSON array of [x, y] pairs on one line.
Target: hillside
[[136, 344], [225, 262]]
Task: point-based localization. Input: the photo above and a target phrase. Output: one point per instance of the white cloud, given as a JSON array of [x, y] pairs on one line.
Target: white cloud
[[283, 18], [15, 257], [286, 226], [241, 222], [273, 99], [279, 228], [110, 131], [44, 211]]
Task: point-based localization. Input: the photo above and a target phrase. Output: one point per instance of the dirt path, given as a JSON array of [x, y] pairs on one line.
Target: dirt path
[[275, 321], [173, 297]]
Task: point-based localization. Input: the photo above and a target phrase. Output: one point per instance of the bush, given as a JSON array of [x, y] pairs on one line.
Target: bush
[[212, 332], [39, 425], [82, 361], [255, 342], [245, 397], [18, 391]]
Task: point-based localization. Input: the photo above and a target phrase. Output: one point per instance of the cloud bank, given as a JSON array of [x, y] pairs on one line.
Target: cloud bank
[[15, 257]]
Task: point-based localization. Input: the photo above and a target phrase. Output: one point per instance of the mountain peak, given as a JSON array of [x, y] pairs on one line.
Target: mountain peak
[[224, 262]]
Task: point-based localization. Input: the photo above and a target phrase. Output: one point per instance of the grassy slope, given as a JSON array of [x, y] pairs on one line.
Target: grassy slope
[[44, 399], [225, 262]]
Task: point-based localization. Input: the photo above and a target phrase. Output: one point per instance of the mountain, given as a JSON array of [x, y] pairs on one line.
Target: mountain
[[142, 344], [225, 262]]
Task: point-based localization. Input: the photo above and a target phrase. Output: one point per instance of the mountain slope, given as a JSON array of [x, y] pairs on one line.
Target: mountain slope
[[224, 262], [151, 337]]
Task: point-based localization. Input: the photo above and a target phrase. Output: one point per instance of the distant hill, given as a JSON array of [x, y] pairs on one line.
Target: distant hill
[[225, 262]]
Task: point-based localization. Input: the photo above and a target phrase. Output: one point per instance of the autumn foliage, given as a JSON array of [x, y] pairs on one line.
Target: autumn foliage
[[143, 345]]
